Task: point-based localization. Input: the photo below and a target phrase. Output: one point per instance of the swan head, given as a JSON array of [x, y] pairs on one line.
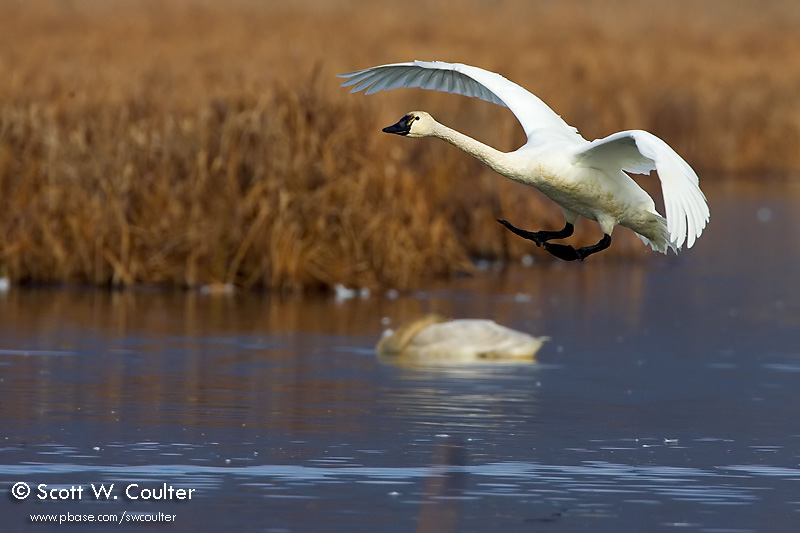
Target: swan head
[[414, 124]]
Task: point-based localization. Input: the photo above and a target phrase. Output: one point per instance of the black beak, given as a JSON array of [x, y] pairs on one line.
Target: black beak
[[403, 127]]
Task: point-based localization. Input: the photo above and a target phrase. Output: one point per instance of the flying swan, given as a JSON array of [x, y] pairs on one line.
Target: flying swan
[[585, 178]]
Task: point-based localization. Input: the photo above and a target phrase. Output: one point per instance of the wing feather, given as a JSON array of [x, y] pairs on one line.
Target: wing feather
[[639, 152], [465, 80], [387, 82]]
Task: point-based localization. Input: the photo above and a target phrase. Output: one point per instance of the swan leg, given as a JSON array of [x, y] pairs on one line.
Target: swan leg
[[539, 237], [568, 253]]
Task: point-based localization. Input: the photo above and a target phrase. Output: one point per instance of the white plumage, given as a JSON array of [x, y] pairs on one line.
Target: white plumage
[[433, 340], [586, 178]]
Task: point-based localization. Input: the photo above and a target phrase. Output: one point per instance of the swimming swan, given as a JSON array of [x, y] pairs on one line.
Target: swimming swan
[[434, 340], [586, 178]]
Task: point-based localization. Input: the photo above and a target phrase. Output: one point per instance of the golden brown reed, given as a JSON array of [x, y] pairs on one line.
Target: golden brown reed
[[190, 143]]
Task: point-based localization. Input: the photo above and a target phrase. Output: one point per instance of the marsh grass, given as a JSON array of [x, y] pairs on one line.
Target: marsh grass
[[189, 144]]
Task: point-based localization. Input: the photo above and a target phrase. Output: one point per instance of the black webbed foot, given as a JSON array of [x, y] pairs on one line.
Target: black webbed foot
[[525, 234], [539, 237], [564, 251], [568, 253]]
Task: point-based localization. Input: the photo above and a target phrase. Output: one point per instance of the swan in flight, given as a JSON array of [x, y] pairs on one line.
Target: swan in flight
[[586, 178]]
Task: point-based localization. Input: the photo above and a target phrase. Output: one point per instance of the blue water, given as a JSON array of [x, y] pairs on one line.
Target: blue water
[[667, 400]]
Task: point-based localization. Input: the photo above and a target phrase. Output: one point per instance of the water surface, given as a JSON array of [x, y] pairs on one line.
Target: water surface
[[665, 401]]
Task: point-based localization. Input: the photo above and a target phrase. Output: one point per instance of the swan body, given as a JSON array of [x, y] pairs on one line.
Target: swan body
[[432, 339], [587, 178]]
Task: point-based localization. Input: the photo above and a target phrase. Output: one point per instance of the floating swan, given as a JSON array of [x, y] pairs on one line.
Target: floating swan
[[434, 340], [587, 179]]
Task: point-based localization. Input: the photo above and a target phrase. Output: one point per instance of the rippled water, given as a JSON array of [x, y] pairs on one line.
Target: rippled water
[[667, 399]]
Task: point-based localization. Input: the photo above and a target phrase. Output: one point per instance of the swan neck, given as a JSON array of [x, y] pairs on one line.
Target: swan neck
[[495, 159]]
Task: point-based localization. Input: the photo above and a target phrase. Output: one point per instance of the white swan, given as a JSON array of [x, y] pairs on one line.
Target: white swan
[[586, 178], [434, 340]]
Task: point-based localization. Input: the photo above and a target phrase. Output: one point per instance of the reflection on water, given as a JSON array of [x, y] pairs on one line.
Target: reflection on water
[[666, 398]]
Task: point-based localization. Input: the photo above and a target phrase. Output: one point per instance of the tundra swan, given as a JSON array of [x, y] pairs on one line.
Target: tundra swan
[[586, 178], [432, 339]]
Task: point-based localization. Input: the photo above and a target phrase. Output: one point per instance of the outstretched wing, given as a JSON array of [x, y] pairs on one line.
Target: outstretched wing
[[457, 78], [640, 152]]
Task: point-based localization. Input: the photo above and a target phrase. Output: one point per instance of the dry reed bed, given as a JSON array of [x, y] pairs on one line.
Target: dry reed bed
[[190, 144]]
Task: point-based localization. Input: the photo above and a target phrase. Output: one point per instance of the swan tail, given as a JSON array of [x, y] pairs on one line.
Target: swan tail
[[659, 240]]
